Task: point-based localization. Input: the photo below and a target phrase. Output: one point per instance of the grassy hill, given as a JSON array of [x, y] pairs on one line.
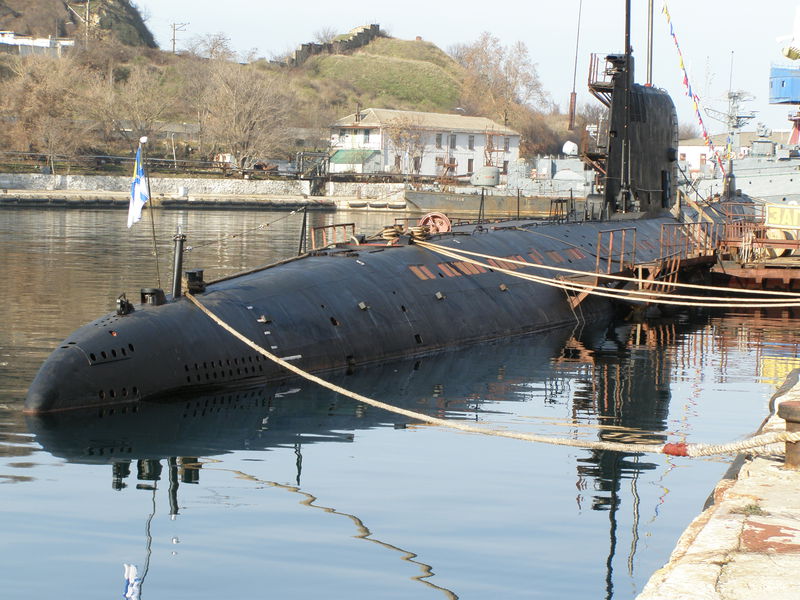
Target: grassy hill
[[387, 73]]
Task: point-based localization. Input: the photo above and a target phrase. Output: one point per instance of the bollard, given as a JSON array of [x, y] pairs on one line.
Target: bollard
[[790, 411]]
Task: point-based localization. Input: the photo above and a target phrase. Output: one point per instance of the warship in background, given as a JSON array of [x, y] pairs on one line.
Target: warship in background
[[765, 166]]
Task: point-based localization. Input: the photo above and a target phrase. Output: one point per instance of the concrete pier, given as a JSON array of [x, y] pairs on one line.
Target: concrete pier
[[746, 545]]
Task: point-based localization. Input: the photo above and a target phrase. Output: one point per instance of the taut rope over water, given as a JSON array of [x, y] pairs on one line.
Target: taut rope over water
[[675, 449], [774, 299]]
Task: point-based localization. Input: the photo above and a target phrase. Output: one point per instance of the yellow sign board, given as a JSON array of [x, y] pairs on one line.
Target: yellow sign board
[[783, 216]]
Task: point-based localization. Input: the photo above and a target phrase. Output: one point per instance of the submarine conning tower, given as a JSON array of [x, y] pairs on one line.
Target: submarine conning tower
[[640, 158]]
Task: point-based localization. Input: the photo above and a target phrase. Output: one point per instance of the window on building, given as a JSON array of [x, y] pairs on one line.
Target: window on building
[[417, 164], [440, 161], [366, 136], [505, 167], [397, 161], [702, 159], [507, 144], [471, 142], [453, 141], [438, 140], [470, 164], [342, 134]]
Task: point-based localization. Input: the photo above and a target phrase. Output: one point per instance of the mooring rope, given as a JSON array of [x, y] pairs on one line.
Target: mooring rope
[[617, 293], [244, 232], [621, 293], [674, 449], [697, 286]]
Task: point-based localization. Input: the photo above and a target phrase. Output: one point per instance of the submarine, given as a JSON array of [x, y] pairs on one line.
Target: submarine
[[371, 300], [265, 416]]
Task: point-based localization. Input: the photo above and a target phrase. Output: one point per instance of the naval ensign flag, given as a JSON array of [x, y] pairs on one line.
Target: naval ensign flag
[[140, 193]]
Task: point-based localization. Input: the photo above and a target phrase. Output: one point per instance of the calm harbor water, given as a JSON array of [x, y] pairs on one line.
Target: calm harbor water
[[290, 491]]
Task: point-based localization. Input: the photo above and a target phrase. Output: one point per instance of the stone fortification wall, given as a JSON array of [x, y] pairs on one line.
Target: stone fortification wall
[[359, 37]]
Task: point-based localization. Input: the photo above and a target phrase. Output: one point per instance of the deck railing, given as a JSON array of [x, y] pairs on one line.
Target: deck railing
[[326, 235]]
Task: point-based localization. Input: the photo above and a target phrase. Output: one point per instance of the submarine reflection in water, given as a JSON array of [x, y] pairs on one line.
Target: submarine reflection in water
[[590, 369], [627, 398]]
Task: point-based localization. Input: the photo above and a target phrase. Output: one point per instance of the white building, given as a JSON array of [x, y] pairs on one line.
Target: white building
[[25, 44], [378, 140]]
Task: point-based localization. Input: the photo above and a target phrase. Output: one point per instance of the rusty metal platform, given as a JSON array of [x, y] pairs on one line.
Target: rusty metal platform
[[782, 272]]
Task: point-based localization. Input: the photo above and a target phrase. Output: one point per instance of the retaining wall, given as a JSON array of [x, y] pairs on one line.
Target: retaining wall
[[168, 186], [364, 190]]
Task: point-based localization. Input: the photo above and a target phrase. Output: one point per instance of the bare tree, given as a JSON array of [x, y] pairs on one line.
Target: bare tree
[[135, 106], [325, 35], [407, 138], [143, 11], [496, 76], [593, 113], [213, 46], [46, 116], [688, 131], [194, 91], [247, 113]]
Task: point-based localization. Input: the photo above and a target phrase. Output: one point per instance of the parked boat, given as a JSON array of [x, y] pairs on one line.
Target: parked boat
[[368, 299]]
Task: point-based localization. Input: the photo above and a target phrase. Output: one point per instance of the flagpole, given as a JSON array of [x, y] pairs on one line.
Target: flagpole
[[142, 142]]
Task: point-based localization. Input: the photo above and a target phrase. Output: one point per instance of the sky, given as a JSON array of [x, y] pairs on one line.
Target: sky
[[728, 45]]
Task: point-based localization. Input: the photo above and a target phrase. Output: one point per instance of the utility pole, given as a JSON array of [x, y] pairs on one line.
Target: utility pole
[[176, 27], [84, 18]]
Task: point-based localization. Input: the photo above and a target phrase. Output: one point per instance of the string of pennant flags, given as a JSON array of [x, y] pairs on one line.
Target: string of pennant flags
[[690, 92]]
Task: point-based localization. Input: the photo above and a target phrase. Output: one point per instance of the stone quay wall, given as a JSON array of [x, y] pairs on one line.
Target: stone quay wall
[[166, 186]]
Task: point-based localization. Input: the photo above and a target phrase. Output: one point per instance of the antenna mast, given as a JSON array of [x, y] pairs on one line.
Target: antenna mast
[[573, 96]]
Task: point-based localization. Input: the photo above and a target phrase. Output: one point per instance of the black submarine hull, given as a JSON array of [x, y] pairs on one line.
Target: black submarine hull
[[272, 415], [334, 309]]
